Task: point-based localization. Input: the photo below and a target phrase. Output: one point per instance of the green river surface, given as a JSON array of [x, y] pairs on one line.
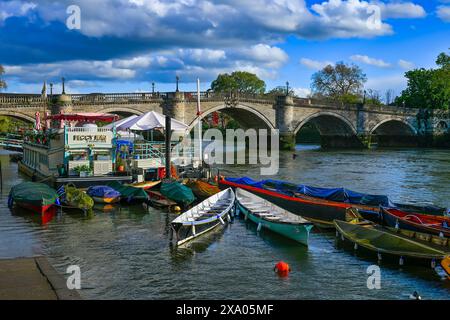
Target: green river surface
[[125, 253]]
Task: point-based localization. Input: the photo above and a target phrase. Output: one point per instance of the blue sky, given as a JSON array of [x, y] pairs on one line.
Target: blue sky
[[125, 45]]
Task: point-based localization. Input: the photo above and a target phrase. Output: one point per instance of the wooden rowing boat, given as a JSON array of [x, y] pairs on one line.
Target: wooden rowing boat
[[269, 216], [382, 241], [320, 205], [416, 222], [144, 185], [33, 196], [204, 217], [103, 194], [202, 189]]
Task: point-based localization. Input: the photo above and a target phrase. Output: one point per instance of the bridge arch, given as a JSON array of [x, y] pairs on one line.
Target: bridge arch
[[326, 124], [394, 127], [245, 115], [18, 115], [121, 111]]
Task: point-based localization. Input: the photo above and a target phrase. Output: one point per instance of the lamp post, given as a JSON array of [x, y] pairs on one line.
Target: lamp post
[[287, 88], [63, 85], [178, 79], [153, 88]]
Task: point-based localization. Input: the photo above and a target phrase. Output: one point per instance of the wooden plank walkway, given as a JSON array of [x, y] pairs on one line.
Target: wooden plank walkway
[[32, 279]]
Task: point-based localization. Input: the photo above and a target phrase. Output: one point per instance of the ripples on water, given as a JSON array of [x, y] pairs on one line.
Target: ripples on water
[[125, 253]]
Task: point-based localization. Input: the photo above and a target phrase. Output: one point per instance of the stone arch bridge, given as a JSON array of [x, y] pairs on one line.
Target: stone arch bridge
[[339, 125]]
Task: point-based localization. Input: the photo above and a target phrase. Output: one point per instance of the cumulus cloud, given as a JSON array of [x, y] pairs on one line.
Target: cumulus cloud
[[14, 8], [302, 92], [443, 13], [315, 64], [370, 61], [400, 10], [262, 60]]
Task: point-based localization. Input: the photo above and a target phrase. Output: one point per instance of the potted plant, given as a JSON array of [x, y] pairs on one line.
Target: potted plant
[[83, 170], [120, 164]]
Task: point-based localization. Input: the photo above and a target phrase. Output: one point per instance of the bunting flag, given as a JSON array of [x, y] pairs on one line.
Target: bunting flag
[[215, 118]]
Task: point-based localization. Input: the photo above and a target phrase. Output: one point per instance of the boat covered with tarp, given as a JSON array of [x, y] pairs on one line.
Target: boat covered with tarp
[[384, 242], [34, 196], [321, 205], [202, 189], [74, 198], [177, 192], [128, 193], [103, 194], [204, 217]]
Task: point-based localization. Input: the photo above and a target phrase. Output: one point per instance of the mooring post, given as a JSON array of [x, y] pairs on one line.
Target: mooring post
[[168, 138]]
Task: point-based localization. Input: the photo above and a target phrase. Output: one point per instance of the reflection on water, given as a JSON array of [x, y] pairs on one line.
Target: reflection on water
[[125, 252]]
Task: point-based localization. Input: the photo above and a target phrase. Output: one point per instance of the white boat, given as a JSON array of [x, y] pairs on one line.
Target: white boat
[[269, 216], [204, 217]]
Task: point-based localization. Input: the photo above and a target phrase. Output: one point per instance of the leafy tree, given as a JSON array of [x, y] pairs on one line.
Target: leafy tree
[[341, 82], [428, 88], [279, 91], [2, 82], [239, 81], [373, 97]]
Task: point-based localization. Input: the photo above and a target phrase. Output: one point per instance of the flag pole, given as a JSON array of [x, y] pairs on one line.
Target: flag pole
[[199, 113]]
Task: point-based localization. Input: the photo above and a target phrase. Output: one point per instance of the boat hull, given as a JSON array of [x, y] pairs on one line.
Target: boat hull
[[394, 221], [106, 200], [296, 232], [39, 209], [185, 233], [318, 212]]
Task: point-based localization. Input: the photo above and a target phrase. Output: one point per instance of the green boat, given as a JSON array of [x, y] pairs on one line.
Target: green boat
[[382, 241], [33, 196], [177, 192], [269, 216], [128, 193]]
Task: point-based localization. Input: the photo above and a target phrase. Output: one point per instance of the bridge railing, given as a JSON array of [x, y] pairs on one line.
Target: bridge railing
[[14, 100], [116, 98]]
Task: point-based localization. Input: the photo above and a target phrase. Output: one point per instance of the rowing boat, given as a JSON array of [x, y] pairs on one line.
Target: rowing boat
[[75, 198], [269, 216], [103, 194], [144, 185], [320, 205], [416, 222], [202, 189], [204, 217], [382, 241], [33, 196], [129, 194], [177, 192]]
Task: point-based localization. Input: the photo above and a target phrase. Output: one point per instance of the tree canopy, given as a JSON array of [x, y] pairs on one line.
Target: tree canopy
[[239, 81], [2, 82], [280, 91], [340, 82], [428, 88]]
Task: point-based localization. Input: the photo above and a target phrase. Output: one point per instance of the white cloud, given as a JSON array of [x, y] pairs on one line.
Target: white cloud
[[14, 8], [443, 13], [407, 65], [370, 61], [315, 64], [302, 92], [401, 10], [397, 82]]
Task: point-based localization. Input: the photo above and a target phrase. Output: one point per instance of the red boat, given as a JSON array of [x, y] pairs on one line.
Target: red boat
[[425, 223], [39, 209]]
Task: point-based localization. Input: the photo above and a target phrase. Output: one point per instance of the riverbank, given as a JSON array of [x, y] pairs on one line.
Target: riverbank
[[32, 279]]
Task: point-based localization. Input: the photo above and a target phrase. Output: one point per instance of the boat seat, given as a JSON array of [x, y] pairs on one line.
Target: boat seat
[[275, 218]]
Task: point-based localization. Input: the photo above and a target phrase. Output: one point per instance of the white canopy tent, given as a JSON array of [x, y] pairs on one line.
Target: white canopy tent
[[120, 122], [151, 120]]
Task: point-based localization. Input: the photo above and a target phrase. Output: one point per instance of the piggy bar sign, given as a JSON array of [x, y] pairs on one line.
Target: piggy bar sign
[[87, 138]]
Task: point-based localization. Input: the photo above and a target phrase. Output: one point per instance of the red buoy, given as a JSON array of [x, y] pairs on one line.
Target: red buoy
[[282, 268]]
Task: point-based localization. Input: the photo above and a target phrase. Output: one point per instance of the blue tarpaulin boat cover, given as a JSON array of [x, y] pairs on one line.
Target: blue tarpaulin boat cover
[[332, 194], [102, 192]]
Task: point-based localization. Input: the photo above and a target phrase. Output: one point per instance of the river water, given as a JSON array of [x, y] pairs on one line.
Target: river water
[[125, 253]]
